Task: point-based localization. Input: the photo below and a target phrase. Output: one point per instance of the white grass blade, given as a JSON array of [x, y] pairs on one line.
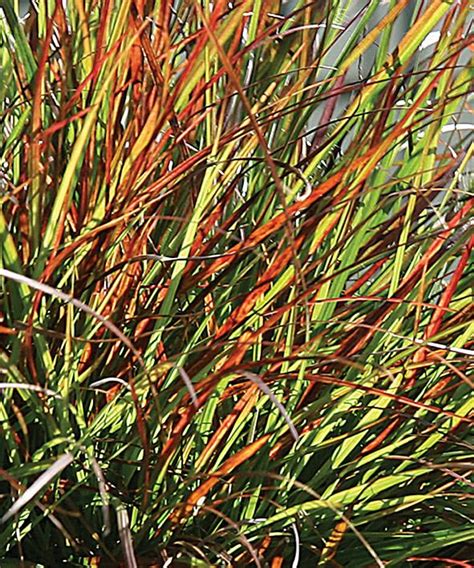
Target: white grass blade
[[35, 388], [189, 386], [43, 480], [264, 388], [126, 538], [108, 380], [104, 495], [50, 291]]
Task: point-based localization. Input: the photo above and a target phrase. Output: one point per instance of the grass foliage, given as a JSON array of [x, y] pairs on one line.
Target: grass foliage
[[236, 309]]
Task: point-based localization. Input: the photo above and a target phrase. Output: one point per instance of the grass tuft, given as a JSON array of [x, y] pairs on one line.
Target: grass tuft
[[236, 283]]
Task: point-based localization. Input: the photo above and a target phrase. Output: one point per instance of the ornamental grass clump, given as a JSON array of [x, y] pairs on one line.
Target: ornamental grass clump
[[235, 283]]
